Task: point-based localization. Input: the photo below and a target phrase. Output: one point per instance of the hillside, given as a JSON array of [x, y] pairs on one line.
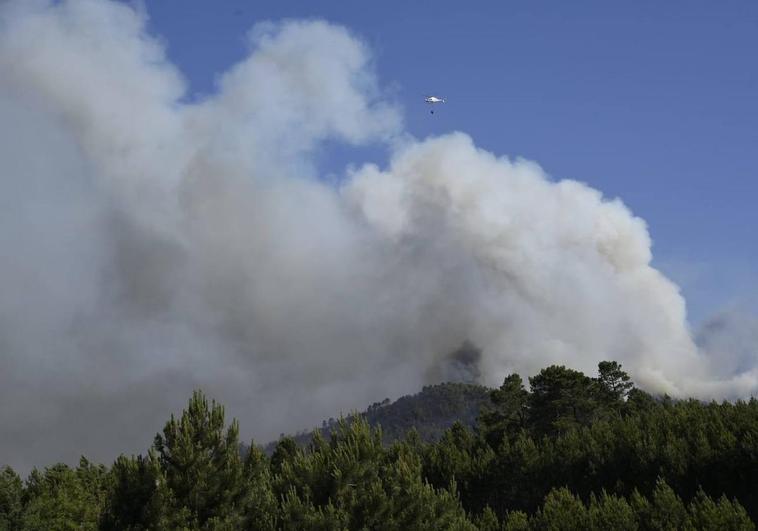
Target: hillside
[[430, 412]]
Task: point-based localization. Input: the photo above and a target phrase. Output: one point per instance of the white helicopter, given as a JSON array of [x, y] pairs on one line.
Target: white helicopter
[[433, 100]]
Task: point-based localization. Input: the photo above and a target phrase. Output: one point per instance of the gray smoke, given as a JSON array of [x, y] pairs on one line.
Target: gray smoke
[[461, 365], [731, 339], [151, 246]]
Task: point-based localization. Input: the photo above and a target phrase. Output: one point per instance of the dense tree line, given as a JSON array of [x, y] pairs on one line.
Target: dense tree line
[[572, 452], [593, 436]]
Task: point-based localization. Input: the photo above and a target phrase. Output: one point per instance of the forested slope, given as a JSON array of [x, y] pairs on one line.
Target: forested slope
[[430, 412]]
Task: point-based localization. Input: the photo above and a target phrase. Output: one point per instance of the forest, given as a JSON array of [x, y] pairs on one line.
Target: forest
[[566, 451], [430, 413]]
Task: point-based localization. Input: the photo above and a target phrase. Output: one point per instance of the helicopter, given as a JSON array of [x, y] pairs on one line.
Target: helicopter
[[432, 100]]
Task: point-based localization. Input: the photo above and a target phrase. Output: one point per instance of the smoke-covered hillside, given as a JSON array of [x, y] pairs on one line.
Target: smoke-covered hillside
[[429, 413]]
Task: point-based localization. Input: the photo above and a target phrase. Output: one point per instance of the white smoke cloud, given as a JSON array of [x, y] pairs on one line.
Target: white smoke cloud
[[552, 272], [151, 246]]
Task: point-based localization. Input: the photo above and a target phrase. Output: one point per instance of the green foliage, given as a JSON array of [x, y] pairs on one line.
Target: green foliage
[[300, 514], [614, 383], [462, 458], [561, 399], [666, 510], [201, 464], [428, 413], [611, 512], [573, 453], [11, 492], [487, 521], [562, 511], [193, 478], [139, 498], [65, 498], [286, 450], [257, 502], [353, 481], [639, 402], [516, 521], [724, 515], [507, 413]]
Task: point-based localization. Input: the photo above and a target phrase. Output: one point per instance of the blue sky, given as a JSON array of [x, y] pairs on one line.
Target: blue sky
[[652, 102]]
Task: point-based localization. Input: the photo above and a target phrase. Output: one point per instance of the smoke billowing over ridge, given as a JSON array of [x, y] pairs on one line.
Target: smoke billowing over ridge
[[151, 246]]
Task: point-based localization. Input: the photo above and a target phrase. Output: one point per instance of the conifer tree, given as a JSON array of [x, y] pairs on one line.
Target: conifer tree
[[11, 492], [508, 411], [561, 399], [201, 464], [58, 498], [561, 511], [487, 521], [611, 512], [614, 382], [516, 521], [139, 498], [666, 510], [726, 515], [260, 508]]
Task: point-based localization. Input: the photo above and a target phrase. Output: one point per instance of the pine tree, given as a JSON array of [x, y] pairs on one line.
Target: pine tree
[[611, 512], [487, 521], [516, 521], [614, 382], [301, 515], [202, 465], [285, 451], [561, 511], [724, 515], [260, 508], [139, 498], [507, 413], [58, 498], [561, 399], [11, 492], [666, 510]]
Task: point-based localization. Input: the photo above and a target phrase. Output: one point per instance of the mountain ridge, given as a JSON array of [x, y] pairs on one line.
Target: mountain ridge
[[429, 412]]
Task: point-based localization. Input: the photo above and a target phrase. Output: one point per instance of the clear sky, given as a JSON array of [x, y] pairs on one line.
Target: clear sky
[[652, 102]]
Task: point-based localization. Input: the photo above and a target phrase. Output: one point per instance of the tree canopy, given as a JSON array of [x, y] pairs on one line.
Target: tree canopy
[[570, 452]]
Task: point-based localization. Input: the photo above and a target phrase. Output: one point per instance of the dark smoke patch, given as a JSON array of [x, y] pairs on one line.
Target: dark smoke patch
[[461, 365]]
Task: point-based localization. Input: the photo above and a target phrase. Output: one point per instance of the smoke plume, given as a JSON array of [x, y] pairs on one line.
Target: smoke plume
[[151, 246]]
